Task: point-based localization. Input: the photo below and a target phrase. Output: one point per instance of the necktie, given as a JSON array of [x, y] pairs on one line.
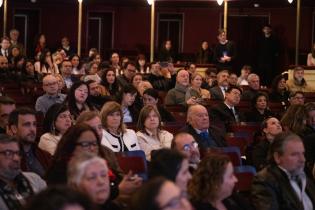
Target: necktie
[[207, 139], [298, 180]]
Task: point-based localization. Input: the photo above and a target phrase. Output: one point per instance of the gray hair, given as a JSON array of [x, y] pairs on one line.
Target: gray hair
[[251, 76], [77, 167]]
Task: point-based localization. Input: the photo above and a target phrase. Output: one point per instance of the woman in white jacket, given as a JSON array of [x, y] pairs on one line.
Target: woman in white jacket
[[115, 135]]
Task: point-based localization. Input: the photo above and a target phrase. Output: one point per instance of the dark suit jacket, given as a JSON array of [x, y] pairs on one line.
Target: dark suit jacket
[[222, 116], [271, 190], [216, 93], [215, 133]]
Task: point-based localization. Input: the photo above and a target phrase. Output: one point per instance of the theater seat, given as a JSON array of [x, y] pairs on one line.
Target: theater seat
[[233, 153], [237, 141], [245, 175]]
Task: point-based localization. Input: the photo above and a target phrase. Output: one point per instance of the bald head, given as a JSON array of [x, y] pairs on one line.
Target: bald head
[[198, 117], [50, 85], [183, 77], [4, 64]]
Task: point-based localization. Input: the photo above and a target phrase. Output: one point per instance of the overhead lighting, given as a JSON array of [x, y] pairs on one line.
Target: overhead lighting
[[290, 1], [220, 2], [150, 2], [1, 2], [80, 1]]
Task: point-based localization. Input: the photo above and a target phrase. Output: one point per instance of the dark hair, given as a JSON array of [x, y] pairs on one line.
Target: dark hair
[[232, 87], [67, 144], [165, 163], [151, 92], [6, 100], [6, 139], [294, 118], [211, 70], [129, 63], [57, 198], [42, 58], [275, 82], [294, 93], [51, 116], [14, 115], [145, 197], [144, 114], [126, 89], [255, 98], [112, 88]]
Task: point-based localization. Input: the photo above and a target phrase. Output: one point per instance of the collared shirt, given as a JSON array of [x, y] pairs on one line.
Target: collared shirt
[[45, 101], [5, 52], [300, 193], [127, 115], [232, 108], [223, 89]]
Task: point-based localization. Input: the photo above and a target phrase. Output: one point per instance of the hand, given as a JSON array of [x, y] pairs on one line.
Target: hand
[[192, 101], [129, 184]]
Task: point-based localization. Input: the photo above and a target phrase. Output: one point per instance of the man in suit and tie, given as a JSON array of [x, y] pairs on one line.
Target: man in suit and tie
[[218, 92], [226, 112], [198, 125], [5, 45], [283, 185]]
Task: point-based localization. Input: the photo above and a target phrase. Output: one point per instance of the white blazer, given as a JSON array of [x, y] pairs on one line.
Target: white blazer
[[129, 138]]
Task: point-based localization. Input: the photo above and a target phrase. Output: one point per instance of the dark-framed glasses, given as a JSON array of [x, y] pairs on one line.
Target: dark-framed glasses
[[10, 153], [188, 147]]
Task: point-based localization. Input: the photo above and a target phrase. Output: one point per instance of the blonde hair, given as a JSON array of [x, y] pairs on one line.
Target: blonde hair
[[109, 108]]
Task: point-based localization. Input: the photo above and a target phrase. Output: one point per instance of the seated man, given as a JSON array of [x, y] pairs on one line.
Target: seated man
[[7, 105], [298, 83], [218, 91], [176, 96], [51, 96], [185, 143], [15, 186], [283, 185], [254, 86], [226, 112], [129, 71], [159, 80], [296, 98], [66, 73], [95, 96], [198, 125], [22, 125]]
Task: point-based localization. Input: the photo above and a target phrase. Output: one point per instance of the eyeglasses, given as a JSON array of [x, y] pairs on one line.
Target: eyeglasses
[[87, 144], [188, 147], [10, 153], [174, 202]]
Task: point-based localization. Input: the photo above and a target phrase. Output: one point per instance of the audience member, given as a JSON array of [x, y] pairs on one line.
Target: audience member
[[259, 109], [22, 125], [283, 184], [92, 72], [66, 72], [66, 47], [15, 186], [296, 98], [76, 65], [14, 40], [311, 57], [204, 54], [126, 98], [45, 64], [56, 122], [109, 81], [298, 82], [141, 64], [218, 91], [243, 78], [151, 136], [310, 122], [195, 90], [157, 79], [96, 98], [115, 135], [129, 71], [115, 62], [167, 53], [7, 105], [294, 119], [254, 86], [136, 79], [233, 79], [279, 90], [5, 45], [40, 45], [210, 79]]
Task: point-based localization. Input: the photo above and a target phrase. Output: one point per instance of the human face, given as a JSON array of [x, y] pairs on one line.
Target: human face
[[311, 118], [168, 45], [9, 165], [63, 121], [233, 79], [115, 58], [149, 100], [94, 89], [136, 80], [229, 181], [130, 71], [128, 99], [26, 128], [266, 30], [261, 103], [81, 94], [254, 83], [273, 127], [222, 37], [29, 68], [65, 42], [96, 124], [152, 121], [98, 59], [170, 197], [15, 51], [114, 120], [75, 61], [14, 35], [183, 176], [204, 45], [141, 62], [95, 182], [93, 69], [187, 145], [4, 64], [87, 142], [223, 79], [199, 118], [233, 98], [110, 77], [196, 82], [297, 99], [5, 44], [183, 78], [5, 110], [50, 85], [156, 69], [282, 84], [192, 68], [292, 159], [299, 75], [66, 67]]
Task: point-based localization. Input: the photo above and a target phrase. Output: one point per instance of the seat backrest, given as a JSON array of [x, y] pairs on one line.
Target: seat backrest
[[232, 152], [245, 175]]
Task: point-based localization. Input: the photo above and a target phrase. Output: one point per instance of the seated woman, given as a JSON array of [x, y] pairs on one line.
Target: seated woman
[[270, 127], [56, 122], [150, 135], [260, 110], [115, 135], [92, 72], [136, 79], [311, 57], [77, 99], [158, 194], [126, 98], [279, 90], [109, 81], [195, 89], [45, 65], [89, 174], [294, 120], [212, 185], [151, 97], [76, 65], [172, 165]]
